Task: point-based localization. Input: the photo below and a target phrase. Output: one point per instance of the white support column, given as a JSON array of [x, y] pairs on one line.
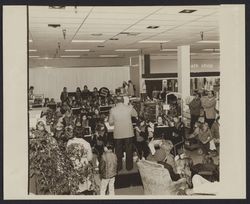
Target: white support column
[[232, 101], [183, 64]]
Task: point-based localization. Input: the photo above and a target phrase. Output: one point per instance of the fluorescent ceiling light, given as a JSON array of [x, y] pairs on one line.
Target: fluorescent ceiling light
[[69, 56], [209, 41], [32, 50], [193, 53], [33, 56], [215, 53], [88, 41], [211, 50], [169, 49], [153, 41], [77, 50], [45, 58], [30, 40], [108, 55], [126, 50]]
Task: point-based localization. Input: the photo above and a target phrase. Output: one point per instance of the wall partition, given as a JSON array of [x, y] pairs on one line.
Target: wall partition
[[50, 81]]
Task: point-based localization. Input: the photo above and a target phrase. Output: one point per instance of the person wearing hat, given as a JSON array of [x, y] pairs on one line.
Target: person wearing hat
[[120, 117]]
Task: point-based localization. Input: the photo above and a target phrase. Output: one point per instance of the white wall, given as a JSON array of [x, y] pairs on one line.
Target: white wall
[[50, 81], [168, 65]]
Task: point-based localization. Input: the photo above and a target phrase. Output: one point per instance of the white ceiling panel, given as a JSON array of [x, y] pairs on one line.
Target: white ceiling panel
[[81, 22]]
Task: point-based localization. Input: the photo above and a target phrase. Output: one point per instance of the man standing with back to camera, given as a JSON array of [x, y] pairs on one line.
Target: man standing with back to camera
[[120, 117]]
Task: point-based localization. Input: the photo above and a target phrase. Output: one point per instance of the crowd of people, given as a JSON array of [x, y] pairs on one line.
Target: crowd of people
[[78, 128]]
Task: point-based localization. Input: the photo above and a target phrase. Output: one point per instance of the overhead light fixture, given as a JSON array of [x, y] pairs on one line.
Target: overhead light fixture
[[54, 25], [126, 50], [192, 53], [129, 33], [88, 41], [108, 55], [77, 50], [215, 53], [69, 56], [152, 27], [209, 41], [169, 50], [153, 41], [114, 39], [187, 11], [30, 40], [211, 50], [33, 56], [96, 34], [32, 50]]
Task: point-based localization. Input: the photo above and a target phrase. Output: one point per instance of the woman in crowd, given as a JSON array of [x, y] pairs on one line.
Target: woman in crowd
[[131, 88], [85, 93], [95, 94], [64, 95], [209, 103], [78, 96], [124, 88], [195, 110]]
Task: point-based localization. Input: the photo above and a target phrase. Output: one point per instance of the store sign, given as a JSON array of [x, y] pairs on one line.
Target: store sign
[[104, 92], [204, 66]]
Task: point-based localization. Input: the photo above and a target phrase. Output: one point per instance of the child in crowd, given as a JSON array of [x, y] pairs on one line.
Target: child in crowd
[[85, 121], [108, 170]]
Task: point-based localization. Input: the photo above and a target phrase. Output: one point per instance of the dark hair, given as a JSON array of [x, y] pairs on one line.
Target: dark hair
[[85, 86], [109, 146], [212, 92], [78, 89], [31, 87]]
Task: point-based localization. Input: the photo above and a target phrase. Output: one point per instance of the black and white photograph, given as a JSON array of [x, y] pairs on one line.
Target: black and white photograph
[[125, 101]]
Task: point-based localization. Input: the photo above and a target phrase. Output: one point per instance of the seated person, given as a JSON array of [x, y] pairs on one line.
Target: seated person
[[78, 129], [85, 121], [202, 133], [215, 131], [163, 153], [141, 139], [100, 138], [178, 133]]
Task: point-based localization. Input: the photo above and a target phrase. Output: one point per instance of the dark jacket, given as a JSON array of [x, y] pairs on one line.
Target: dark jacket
[[64, 96], [195, 107], [108, 165]]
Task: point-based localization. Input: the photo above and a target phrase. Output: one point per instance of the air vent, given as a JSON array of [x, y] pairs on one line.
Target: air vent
[[152, 27], [187, 11], [57, 7], [54, 25]]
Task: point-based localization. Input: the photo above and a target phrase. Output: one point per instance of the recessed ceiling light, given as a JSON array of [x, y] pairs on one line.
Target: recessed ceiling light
[[126, 50], [33, 56], [209, 41], [77, 50], [96, 34], [108, 55], [169, 50], [211, 50], [88, 41], [187, 11], [54, 25], [45, 58], [152, 27], [70, 56], [153, 41], [30, 40], [114, 39], [57, 7], [32, 50]]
